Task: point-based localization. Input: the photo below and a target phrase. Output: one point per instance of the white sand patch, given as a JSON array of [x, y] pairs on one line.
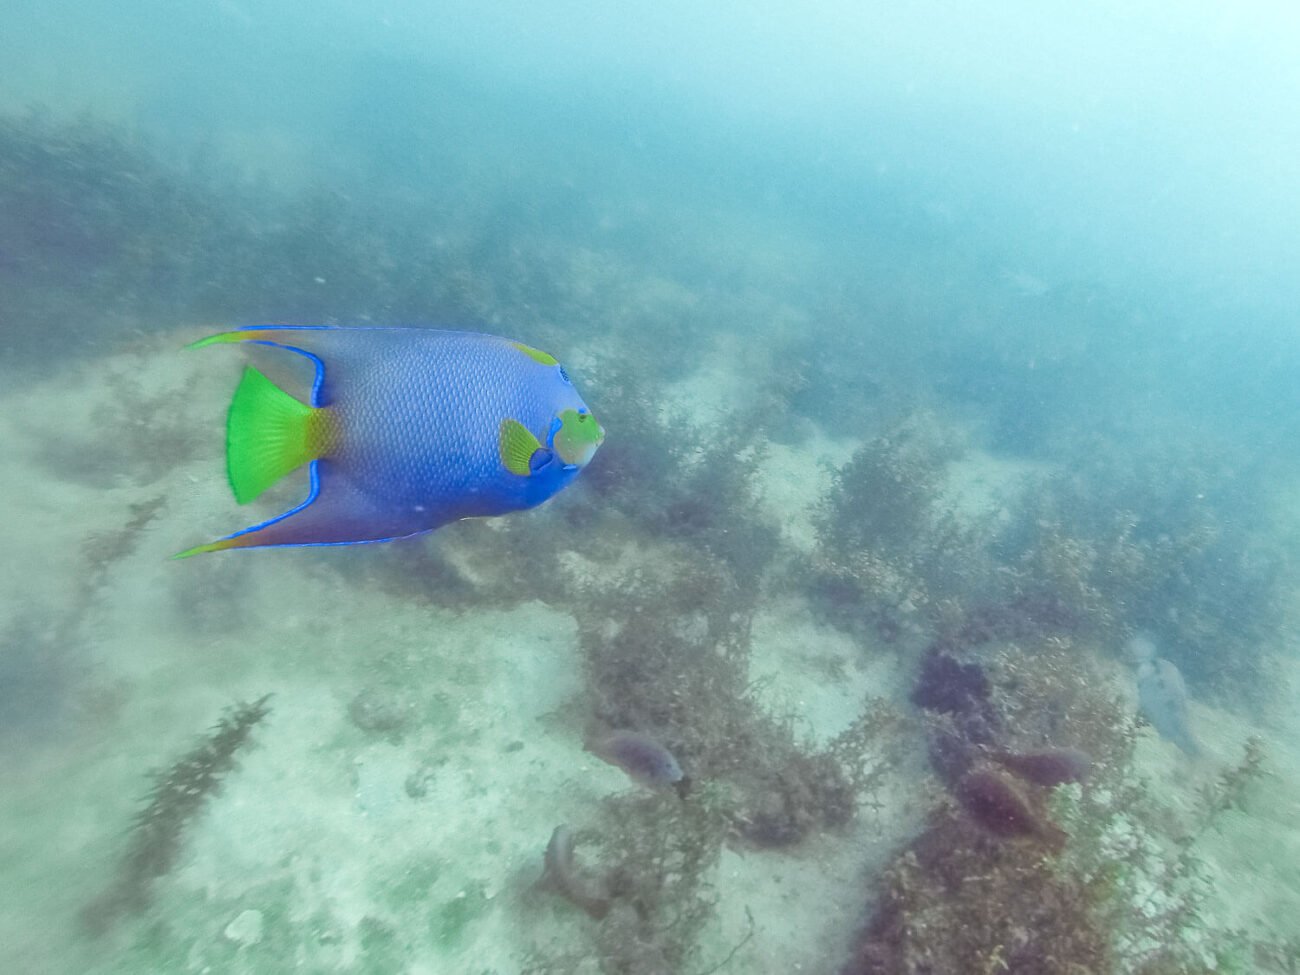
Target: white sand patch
[[809, 902], [982, 485], [817, 674], [793, 478], [1251, 855], [714, 389], [470, 798], [1254, 853]]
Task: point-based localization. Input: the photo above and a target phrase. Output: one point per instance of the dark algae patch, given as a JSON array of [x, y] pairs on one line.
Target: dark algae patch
[[177, 798]]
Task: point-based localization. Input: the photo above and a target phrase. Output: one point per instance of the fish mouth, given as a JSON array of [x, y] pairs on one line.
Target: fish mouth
[[588, 452], [600, 439]]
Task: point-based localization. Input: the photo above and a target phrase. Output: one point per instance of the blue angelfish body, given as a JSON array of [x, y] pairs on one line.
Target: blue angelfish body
[[405, 430]]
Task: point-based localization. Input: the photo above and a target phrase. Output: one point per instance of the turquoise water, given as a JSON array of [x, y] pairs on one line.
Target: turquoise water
[[945, 356]]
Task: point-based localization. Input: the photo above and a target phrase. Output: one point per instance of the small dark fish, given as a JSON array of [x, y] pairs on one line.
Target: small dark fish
[[1046, 766], [997, 804], [562, 875], [641, 757]]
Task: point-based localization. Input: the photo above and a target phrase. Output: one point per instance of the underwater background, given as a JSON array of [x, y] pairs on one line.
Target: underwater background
[[944, 531]]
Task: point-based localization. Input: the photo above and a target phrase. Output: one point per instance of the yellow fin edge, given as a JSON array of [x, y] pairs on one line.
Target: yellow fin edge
[[220, 545], [537, 355], [219, 338]]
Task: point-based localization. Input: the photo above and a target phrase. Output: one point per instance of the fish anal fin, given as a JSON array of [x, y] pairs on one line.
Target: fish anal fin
[[220, 545], [335, 512]]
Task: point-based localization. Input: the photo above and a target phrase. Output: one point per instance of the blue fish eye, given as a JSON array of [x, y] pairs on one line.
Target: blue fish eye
[[565, 376]]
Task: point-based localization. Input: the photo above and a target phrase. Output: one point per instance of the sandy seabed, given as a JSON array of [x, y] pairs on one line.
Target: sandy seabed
[[334, 850]]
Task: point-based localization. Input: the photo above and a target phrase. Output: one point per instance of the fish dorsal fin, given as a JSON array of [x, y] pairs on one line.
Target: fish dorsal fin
[[269, 434], [537, 355], [517, 444]]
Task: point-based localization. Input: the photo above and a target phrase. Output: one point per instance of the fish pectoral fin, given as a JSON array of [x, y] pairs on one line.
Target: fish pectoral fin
[[517, 446], [269, 434]]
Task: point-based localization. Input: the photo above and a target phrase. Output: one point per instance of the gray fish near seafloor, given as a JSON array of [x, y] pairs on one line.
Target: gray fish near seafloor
[[644, 760], [1162, 696]]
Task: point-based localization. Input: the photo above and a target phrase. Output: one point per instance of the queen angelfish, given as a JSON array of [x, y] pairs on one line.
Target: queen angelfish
[[404, 430]]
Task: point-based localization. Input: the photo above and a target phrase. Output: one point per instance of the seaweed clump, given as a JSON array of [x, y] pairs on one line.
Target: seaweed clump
[[961, 900], [92, 228], [709, 499], [1169, 539], [890, 551], [661, 852], [666, 648], [981, 890], [646, 885], [176, 799], [101, 237], [1081, 876], [977, 703], [670, 656]]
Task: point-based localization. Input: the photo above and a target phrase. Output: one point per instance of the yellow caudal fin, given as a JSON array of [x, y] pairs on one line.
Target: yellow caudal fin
[[269, 434]]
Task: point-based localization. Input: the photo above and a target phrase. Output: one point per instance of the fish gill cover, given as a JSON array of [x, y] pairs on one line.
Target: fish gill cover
[[942, 351]]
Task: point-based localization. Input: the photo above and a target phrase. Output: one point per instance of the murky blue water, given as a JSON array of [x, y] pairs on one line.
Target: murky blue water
[[941, 351]]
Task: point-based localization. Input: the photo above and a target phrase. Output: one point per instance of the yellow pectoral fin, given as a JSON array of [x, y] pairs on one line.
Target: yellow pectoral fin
[[516, 445]]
